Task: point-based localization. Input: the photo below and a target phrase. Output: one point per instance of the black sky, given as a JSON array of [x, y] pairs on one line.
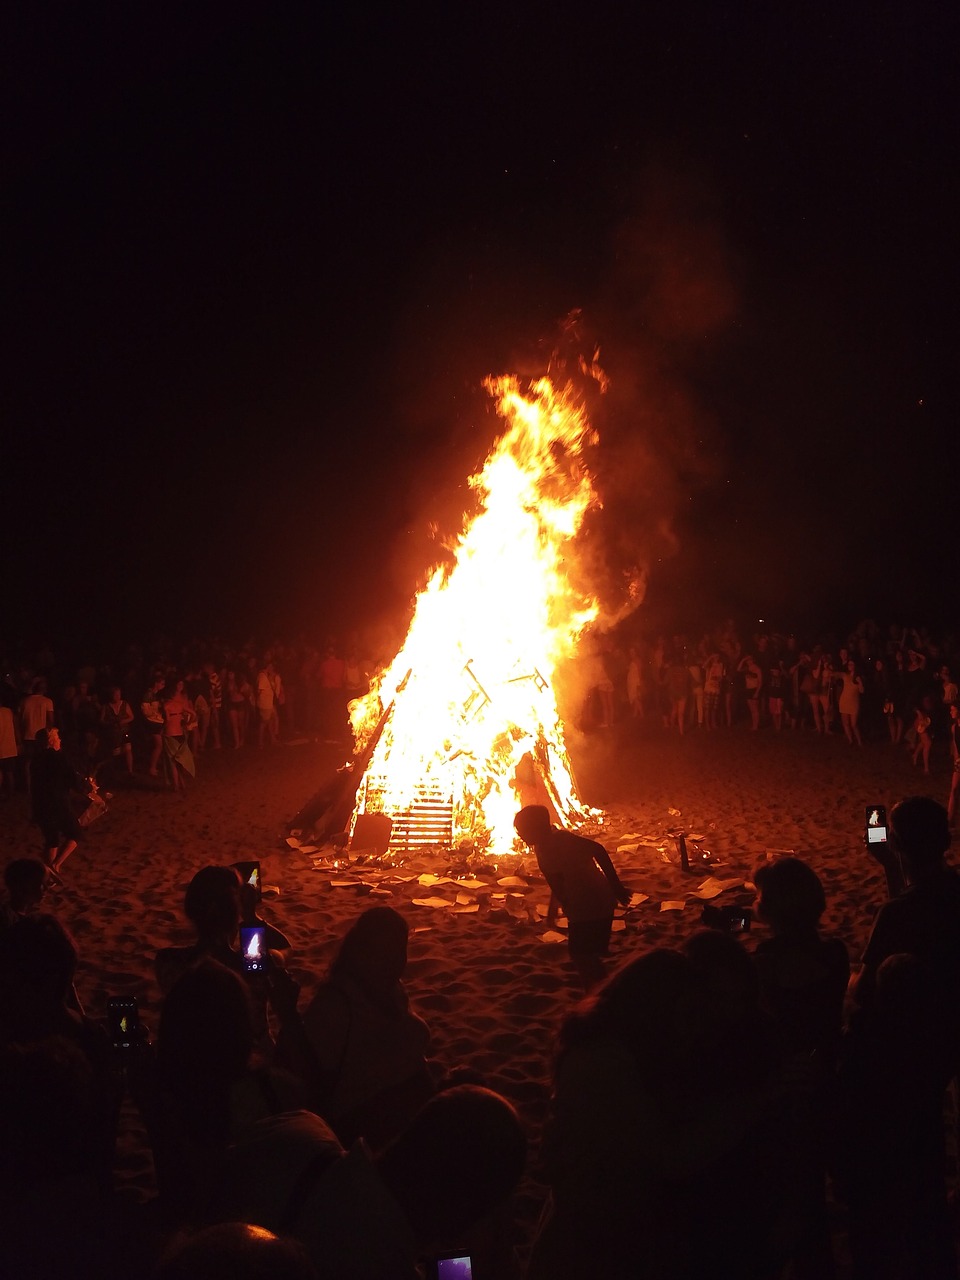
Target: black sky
[[258, 263]]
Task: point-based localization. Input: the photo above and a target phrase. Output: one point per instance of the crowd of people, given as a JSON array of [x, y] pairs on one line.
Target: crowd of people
[[156, 711], [159, 713], [254, 1109], [901, 683], [701, 1097]]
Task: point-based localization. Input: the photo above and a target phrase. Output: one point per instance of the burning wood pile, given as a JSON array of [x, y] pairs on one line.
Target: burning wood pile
[[462, 728]]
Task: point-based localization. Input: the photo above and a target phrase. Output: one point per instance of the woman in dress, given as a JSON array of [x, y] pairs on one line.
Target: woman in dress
[[851, 691]]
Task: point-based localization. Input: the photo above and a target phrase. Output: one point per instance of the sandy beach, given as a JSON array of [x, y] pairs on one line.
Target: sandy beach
[[492, 988]]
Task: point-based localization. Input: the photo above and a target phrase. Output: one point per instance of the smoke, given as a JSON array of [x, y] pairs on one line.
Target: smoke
[[662, 319], [659, 318]]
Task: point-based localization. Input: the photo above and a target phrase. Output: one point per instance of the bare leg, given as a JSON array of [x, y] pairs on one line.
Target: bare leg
[[847, 731], [64, 853], [155, 753], [855, 727], [815, 708]]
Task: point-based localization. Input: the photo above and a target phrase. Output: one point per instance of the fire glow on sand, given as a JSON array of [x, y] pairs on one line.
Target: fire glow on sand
[[466, 713]]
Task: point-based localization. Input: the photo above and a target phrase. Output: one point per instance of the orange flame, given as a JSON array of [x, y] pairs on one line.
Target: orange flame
[[471, 688]]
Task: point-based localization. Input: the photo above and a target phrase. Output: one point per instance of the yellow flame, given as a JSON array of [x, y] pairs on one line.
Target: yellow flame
[[488, 633]]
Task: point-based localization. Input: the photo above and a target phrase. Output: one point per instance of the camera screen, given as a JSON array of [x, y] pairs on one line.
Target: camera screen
[[455, 1268], [123, 1019], [876, 824], [253, 949]]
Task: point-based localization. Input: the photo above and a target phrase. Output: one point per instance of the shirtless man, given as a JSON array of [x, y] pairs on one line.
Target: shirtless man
[[582, 880]]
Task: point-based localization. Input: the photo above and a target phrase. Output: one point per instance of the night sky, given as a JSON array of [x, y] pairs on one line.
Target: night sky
[[257, 264]]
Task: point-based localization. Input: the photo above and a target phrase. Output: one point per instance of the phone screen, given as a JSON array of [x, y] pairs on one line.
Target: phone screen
[[455, 1268], [876, 824], [250, 874], [253, 948], [123, 1020]]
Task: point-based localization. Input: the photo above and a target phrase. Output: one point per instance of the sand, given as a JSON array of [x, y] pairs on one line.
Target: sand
[[491, 987]]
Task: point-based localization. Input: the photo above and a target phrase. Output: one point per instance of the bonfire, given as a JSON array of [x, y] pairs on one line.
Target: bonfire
[[463, 726]]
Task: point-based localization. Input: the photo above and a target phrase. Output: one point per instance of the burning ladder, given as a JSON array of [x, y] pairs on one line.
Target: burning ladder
[[427, 822]]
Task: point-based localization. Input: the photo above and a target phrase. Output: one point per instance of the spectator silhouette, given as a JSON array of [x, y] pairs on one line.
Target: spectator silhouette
[[234, 1251], [209, 1085], [26, 883], [361, 1218], [904, 1048], [803, 980], [213, 905], [369, 1049], [54, 1199], [803, 977], [38, 961], [640, 1126], [923, 916]]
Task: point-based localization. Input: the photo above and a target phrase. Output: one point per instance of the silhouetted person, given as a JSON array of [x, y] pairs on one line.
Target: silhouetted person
[[803, 981], [582, 880], [903, 1051], [53, 779], [38, 961], [54, 1215], [369, 1047], [234, 1251], [648, 1110], [209, 1085], [923, 916], [26, 883], [803, 977], [212, 903], [361, 1218]]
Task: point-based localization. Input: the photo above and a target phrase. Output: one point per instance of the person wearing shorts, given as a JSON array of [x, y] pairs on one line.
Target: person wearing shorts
[[53, 780], [583, 882]]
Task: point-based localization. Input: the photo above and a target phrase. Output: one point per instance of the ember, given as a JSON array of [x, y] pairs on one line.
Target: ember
[[466, 714]]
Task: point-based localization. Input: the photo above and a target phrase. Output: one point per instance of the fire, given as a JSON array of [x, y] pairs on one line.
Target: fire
[[467, 708]]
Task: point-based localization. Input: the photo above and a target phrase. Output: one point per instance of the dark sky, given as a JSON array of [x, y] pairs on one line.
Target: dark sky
[[258, 263]]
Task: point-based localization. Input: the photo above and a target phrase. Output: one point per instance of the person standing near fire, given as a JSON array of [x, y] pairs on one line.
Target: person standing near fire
[[583, 882]]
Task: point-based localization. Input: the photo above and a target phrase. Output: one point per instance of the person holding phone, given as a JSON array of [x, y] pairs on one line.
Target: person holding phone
[[212, 904], [904, 1049]]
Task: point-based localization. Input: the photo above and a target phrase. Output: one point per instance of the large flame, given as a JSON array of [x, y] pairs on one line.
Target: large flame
[[472, 687]]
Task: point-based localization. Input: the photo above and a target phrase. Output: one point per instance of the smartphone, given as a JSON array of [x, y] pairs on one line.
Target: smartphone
[[876, 824], [123, 1021], [452, 1266], [249, 873], [729, 919], [253, 948]]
